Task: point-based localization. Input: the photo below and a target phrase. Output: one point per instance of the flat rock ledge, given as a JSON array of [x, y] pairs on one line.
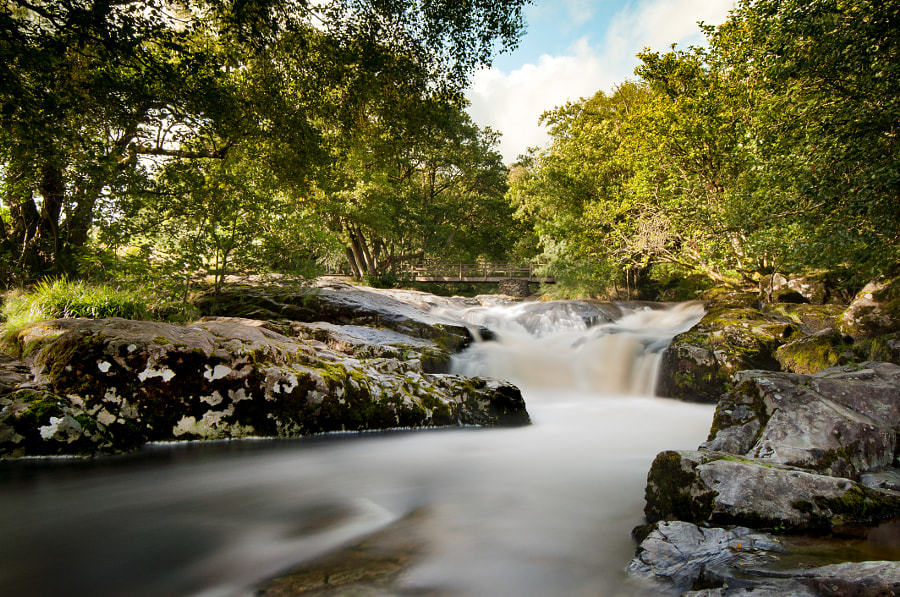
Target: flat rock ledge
[[112, 385], [795, 455]]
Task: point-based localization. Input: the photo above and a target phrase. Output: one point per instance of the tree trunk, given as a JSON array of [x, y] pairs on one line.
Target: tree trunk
[[358, 255], [53, 192], [354, 266]]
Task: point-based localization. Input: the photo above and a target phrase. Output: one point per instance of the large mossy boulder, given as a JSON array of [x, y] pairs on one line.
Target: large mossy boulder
[[716, 488], [699, 363], [115, 384], [810, 318], [841, 422], [815, 353], [874, 312]]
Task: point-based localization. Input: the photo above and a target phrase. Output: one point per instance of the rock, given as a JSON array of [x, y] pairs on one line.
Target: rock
[[815, 353], [842, 421], [718, 562], [719, 297], [706, 487], [788, 296], [365, 342], [886, 479], [699, 363], [810, 318], [676, 555], [811, 288], [114, 384], [874, 312], [341, 304], [13, 373], [515, 287]]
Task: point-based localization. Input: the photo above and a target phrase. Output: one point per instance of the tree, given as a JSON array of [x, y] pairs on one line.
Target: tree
[[95, 94], [433, 187], [772, 149]]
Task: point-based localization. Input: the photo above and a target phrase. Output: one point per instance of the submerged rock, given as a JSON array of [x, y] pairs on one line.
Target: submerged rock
[[699, 363], [114, 384], [679, 556]]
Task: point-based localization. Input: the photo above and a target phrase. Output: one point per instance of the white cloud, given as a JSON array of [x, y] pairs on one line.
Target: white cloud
[[513, 102]]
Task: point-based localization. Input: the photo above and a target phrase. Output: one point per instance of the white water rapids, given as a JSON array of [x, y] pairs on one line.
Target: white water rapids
[[542, 510]]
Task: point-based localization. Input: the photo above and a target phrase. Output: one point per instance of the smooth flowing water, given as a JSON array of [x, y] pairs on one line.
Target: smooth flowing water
[[539, 510]]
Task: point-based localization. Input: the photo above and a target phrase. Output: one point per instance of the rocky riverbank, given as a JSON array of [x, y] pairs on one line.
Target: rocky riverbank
[[330, 357], [801, 460]]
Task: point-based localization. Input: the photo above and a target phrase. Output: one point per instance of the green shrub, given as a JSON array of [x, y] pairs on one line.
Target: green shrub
[[52, 299]]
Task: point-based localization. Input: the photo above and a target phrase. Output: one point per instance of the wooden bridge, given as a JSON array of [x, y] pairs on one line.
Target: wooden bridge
[[474, 273]]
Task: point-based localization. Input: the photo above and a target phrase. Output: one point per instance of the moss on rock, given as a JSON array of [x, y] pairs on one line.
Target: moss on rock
[[232, 378], [814, 353], [699, 363]]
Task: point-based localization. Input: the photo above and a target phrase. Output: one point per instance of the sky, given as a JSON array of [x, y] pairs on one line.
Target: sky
[[573, 48]]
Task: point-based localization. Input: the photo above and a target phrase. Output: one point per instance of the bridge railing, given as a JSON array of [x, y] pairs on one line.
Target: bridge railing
[[468, 271]]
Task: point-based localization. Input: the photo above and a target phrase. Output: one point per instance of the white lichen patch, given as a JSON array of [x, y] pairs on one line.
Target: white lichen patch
[[288, 385], [213, 399], [76, 400], [111, 396], [63, 428], [238, 395], [48, 431], [165, 373], [104, 417], [218, 372], [129, 411], [184, 426], [104, 366], [131, 348]]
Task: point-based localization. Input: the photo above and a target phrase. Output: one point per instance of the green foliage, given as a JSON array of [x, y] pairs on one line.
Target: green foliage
[[52, 299], [61, 297], [234, 112], [774, 149]]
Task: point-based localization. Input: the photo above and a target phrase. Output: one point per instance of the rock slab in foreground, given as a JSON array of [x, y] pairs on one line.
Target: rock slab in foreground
[[115, 384], [682, 558]]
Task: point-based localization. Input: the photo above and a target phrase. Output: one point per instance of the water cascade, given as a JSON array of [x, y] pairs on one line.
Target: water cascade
[[539, 510]]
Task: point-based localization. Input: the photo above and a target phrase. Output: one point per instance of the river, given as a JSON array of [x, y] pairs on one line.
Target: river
[[541, 510]]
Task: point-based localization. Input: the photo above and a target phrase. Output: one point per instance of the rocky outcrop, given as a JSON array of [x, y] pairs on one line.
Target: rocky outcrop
[[114, 384], [338, 303], [716, 488], [699, 363], [810, 318], [874, 312], [816, 288], [515, 287], [815, 353], [682, 558], [790, 453], [841, 422]]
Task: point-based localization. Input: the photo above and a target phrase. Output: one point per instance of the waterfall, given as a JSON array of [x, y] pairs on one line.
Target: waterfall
[[544, 509], [573, 346]]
